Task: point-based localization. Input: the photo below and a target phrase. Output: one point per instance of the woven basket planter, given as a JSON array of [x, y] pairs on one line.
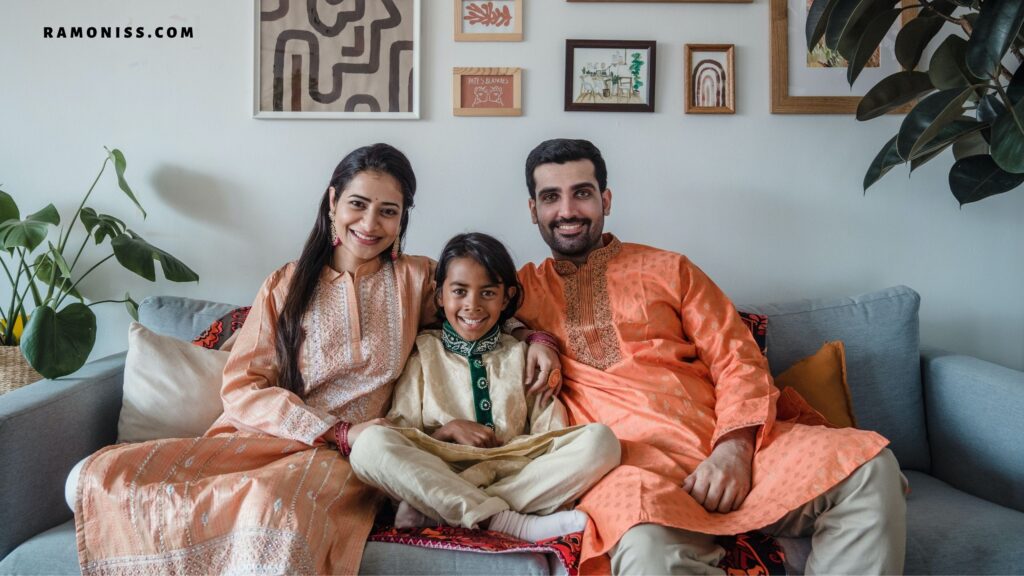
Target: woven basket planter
[[15, 371]]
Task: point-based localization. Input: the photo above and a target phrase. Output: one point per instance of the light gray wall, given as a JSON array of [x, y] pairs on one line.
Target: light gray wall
[[770, 206]]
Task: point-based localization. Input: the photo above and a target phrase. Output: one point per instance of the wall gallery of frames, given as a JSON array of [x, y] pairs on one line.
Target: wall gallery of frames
[[371, 54]]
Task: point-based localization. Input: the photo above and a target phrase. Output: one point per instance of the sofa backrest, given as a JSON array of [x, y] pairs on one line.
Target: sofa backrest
[[881, 336], [182, 318]]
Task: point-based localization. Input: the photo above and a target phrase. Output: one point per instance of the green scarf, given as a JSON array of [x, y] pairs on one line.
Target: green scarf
[[473, 353]]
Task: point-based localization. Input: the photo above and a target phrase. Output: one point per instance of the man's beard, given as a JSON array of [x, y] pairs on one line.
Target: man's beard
[[578, 245]]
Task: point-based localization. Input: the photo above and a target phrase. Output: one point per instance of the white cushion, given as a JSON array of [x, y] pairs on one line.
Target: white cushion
[[171, 387]]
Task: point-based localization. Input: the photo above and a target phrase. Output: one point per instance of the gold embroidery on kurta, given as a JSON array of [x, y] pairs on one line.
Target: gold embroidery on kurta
[[589, 324]]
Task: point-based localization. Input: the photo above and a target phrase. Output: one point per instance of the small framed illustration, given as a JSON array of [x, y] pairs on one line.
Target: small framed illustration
[[488, 20], [815, 82], [351, 65], [487, 91], [610, 75], [710, 78]]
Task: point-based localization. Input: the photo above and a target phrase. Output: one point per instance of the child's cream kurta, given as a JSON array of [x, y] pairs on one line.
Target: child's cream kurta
[[540, 466]]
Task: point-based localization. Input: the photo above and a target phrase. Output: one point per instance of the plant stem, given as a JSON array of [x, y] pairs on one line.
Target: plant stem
[[107, 302], [15, 301], [78, 212], [80, 249], [77, 282]]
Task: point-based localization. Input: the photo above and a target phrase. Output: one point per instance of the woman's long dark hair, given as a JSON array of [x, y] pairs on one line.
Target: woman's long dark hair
[[318, 251], [490, 253]]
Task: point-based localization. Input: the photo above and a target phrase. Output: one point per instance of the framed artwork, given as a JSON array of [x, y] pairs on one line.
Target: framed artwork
[[668, 1], [487, 91], [815, 82], [346, 60], [610, 75], [710, 78], [488, 20]]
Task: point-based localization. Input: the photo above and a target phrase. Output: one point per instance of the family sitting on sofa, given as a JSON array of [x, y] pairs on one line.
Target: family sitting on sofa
[[613, 388]]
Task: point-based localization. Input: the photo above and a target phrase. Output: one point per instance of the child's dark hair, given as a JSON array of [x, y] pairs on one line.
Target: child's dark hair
[[490, 253]]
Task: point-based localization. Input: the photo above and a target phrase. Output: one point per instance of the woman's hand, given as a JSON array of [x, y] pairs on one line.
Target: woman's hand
[[466, 433], [357, 429], [543, 372]]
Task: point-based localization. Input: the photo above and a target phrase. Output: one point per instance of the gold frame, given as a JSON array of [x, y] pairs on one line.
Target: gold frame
[[781, 101], [515, 36], [517, 92], [730, 101]]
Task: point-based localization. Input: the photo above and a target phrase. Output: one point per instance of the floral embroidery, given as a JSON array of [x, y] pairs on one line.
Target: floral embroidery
[[589, 324]]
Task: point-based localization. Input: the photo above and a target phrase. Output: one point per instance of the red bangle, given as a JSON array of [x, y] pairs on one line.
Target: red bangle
[[341, 437], [543, 338]]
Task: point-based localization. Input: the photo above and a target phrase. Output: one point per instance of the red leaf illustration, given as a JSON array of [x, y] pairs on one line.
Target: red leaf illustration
[[486, 15]]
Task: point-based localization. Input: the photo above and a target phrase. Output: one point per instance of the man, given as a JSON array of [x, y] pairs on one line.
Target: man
[[653, 349]]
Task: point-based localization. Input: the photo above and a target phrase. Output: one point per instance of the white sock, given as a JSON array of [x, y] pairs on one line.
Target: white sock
[[534, 528], [408, 517]]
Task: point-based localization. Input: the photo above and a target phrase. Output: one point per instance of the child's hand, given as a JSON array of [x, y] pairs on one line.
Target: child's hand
[[467, 433], [357, 429]]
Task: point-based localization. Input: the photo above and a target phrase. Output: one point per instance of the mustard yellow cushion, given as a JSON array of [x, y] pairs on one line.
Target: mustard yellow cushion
[[821, 380]]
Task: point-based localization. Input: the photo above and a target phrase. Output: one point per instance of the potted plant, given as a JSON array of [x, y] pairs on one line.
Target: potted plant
[[970, 97], [46, 316]]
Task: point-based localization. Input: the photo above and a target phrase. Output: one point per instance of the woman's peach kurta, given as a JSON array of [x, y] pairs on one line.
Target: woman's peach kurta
[[657, 352], [261, 493]]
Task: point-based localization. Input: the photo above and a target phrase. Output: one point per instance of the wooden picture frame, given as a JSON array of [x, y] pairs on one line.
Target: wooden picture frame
[[291, 52], [781, 31], [610, 75], [487, 91], [710, 87], [488, 20]]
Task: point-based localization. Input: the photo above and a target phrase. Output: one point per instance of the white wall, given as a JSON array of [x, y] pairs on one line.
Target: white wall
[[770, 206]]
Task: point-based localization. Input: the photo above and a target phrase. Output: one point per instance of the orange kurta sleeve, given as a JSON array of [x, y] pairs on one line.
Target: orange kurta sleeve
[[744, 393], [252, 400]]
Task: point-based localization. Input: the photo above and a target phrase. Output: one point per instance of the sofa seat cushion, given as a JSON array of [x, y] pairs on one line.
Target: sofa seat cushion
[[55, 552], [952, 532]]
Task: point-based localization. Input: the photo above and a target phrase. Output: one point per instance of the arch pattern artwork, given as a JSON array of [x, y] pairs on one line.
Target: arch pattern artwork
[[709, 84], [337, 58], [710, 78]]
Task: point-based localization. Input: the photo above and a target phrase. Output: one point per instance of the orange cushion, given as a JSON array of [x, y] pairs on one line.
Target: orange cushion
[[821, 380]]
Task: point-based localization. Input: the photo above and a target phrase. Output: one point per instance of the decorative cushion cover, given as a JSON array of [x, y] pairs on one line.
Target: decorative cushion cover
[[821, 380], [171, 388], [758, 325], [221, 331]]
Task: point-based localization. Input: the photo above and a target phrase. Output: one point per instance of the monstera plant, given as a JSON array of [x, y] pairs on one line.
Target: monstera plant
[[46, 314], [969, 96]]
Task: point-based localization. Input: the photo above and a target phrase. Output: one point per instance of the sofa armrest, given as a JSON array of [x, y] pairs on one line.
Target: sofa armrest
[[975, 416], [45, 429]]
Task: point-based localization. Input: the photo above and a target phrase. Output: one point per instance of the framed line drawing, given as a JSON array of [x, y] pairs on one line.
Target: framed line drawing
[[610, 75], [710, 78], [488, 20], [336, 60], [815, 82], [487, 91]]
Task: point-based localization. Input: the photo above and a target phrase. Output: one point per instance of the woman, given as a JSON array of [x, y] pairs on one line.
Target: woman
[[266, 490]]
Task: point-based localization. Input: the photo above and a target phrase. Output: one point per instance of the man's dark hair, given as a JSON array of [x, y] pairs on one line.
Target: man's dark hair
[[560, 151]]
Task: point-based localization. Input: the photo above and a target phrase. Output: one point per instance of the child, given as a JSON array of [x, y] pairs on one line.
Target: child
[[468, 448]]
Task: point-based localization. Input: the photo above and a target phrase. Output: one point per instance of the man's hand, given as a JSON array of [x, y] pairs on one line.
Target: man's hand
[[543, 372], [466, 433], [721, 483]]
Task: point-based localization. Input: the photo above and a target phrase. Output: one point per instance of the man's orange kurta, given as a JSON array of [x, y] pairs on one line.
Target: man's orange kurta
[[260, 493], [655, 350]]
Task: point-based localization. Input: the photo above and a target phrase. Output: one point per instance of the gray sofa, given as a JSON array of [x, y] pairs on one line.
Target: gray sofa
[[956, 424]]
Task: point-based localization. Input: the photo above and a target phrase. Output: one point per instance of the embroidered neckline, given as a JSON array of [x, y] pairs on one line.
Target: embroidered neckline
[[597, 258], [456, 344]]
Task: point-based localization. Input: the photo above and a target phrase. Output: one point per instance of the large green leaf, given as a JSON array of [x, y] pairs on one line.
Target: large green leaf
[[922, 159], [886, 159], [978, 177], [847, 22], [997, 25], [119, 166], [1008, 139], [817, 18], [105, 225], [946, 136], [990, 107], [868, 42], [892, 92], [915, 35], [49, 273], [8, 208], [132, 306], [973, 144], [58, 343], [948, 68], [30, 232], [928, 117], [1015, 90], [137, 255]]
